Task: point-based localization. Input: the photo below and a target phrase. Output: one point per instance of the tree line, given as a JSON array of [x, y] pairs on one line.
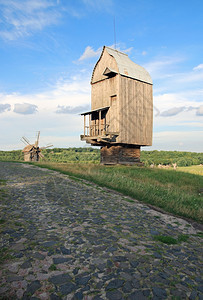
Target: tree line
[[92, 155]]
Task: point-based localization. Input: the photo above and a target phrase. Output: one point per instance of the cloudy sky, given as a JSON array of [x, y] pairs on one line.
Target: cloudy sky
[[48, 49]]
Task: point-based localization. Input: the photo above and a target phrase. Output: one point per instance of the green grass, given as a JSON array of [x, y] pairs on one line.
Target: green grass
[[128, 200], [174, 192], [2, 182], [170, 240], [200, 234], [3, 193], [183, 238], [53, 267], [4, 255], [166, 239]]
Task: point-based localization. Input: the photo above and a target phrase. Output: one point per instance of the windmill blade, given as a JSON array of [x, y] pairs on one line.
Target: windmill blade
[[41, 155], [37, 141], [23, 141], [26, 140], [46, 147]]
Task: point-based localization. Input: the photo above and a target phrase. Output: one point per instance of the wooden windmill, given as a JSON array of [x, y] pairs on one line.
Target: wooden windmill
[[121, 116], [32, 152]]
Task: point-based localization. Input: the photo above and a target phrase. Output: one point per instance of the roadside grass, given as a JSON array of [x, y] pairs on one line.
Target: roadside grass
[[174, 192]]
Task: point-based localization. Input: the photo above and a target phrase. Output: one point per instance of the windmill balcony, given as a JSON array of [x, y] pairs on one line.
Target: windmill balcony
[[95, 125]]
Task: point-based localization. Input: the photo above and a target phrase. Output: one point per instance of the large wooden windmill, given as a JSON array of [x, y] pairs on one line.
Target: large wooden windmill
[[121, 116], [32, 152]]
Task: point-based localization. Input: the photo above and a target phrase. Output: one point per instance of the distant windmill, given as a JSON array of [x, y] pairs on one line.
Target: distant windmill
[[32, 152]]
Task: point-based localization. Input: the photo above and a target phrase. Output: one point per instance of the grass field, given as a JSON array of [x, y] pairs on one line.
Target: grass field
[[198, 170], [175, 192]]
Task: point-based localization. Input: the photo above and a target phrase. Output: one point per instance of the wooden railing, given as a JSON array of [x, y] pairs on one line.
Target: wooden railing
[[96, 130]]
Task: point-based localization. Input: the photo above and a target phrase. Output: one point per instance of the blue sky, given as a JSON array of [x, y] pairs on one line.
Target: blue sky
[[48, 49]]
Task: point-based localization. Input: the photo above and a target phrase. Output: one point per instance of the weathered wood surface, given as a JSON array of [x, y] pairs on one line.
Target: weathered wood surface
[[135, 112], [120, 155]]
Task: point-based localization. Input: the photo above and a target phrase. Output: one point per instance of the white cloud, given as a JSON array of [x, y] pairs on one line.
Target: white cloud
[[172, 111], [156, 110], [176, 92], [186, 100], [25, 108], [72, 110], [199, 67], [120, 47], [22, 18], [69, 93], [167, 101], [161, 67], [167, 77], [4, 107], [189, 77], [127, 50], [89, 53], [181, 104], [200, 111], [75, 85]]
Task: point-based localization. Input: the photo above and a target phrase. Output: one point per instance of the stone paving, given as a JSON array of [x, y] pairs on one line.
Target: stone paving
[[71, 240]]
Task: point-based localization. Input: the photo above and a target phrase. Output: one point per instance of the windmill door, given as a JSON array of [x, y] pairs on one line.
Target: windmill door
[[114, 114]]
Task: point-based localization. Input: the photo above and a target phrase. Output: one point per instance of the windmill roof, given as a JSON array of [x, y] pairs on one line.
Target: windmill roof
[[127, 67], [27, 148]]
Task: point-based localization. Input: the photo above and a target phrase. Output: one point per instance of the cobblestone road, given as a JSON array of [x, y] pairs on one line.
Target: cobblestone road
[[71, 240]]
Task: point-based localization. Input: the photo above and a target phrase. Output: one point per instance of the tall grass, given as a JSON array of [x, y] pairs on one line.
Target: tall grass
[[175, 192]]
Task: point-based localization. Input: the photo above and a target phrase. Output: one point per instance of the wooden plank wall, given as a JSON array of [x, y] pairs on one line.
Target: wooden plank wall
[[135, 112], [102, 93]]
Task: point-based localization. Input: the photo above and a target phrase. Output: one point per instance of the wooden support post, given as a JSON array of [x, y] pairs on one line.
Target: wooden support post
[[90, 128], [84, 123], [105, 124], [100, 122]]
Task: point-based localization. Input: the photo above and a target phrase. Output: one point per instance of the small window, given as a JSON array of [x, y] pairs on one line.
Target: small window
[[109, 73]]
